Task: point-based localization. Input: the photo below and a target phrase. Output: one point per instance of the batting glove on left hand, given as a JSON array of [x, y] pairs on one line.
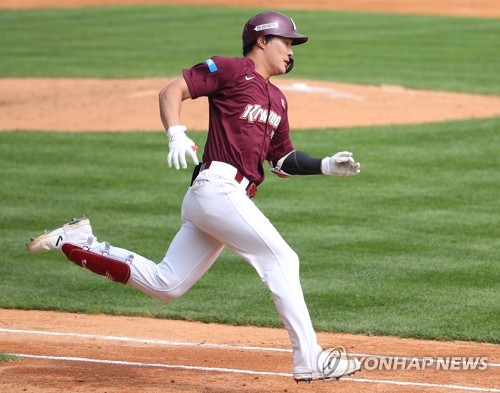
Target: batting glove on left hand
[[179, 144], [340, 164]]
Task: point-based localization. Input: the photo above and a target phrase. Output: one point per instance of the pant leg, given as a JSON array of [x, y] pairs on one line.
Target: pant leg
[[190, 255], [219, 207]]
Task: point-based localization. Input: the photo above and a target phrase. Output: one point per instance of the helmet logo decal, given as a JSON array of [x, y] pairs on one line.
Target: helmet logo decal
[[266, 26], [270, 23]]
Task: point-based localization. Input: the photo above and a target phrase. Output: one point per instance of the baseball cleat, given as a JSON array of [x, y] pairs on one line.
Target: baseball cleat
[[344, 368], [77, 231]]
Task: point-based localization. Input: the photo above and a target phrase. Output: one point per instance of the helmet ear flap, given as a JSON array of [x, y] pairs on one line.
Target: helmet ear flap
[[290, 65]]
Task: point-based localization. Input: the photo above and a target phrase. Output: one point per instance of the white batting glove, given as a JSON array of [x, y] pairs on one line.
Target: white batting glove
[[179, 144], [340, 164]]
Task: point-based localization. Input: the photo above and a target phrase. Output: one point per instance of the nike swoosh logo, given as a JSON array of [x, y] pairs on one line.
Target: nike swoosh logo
[[59, 239], [249, 77]]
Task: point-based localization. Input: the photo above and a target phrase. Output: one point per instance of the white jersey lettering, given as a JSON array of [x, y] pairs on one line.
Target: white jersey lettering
[[255, 112]]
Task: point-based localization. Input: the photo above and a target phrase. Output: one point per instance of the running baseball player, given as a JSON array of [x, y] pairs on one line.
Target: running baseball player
[[248, 125]]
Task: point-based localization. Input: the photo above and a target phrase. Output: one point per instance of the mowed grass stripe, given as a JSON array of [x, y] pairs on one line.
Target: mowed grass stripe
[[408, 248], [426, 52]]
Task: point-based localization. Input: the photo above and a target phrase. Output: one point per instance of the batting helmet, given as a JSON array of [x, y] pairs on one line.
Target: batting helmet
[[271, 23]]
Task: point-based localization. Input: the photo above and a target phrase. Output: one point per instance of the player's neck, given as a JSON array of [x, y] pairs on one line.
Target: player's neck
[[260, 67]]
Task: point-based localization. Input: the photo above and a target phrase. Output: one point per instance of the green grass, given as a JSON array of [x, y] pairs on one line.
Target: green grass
[[438, 53], [408, 248], [7, 358]]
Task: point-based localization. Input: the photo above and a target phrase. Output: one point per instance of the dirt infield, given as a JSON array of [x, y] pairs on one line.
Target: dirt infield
[[475, 8], [132, 104], [129, 105], [98, 353]]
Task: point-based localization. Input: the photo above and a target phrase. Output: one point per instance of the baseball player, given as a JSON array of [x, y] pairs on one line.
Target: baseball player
[[248, 125]]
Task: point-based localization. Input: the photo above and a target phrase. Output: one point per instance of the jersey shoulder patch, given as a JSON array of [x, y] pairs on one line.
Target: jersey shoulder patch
[[230, 66], [212, 67]]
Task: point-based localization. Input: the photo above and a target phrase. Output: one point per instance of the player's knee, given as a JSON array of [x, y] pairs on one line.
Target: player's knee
[[156, 285], [286, 260], [159, 281], [168, 295], [291, 260]]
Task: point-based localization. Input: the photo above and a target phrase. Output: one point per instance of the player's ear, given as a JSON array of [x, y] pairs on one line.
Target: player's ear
[[261, 42]]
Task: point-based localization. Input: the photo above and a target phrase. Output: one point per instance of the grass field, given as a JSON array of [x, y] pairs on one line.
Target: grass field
[[409, 248], [437, 53]]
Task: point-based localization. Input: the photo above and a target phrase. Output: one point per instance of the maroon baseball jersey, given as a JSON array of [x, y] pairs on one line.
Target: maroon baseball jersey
[[248, 121]]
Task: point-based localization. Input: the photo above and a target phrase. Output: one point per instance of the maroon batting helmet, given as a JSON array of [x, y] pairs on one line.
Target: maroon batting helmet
[[271, 23]]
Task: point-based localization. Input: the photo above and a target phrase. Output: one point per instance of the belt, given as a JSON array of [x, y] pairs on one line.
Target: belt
[[230, 171]]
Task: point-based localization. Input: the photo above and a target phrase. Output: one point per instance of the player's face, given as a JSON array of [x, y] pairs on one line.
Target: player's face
[[279, 51]]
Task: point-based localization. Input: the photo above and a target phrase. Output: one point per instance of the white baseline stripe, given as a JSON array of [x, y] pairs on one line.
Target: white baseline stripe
[[146, 340], [194, 344], [251, 372], [161, 365]]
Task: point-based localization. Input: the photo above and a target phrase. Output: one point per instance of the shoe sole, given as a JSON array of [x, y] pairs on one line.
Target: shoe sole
[[347, 374], [34, 246]]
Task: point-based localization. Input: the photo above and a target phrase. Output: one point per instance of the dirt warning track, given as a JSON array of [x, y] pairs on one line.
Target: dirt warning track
[[83, 353]]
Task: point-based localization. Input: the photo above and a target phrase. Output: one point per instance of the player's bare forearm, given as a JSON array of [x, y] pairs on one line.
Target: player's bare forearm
[[170, 99]]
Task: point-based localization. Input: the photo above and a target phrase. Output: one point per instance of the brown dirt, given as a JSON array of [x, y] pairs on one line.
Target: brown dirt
[[59, 375], [121, 105], [476, 8], [124, 105], [132, 104]]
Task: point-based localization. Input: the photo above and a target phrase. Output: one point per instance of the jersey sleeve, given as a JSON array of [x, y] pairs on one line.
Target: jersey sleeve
[[208, 77], [281, 145]]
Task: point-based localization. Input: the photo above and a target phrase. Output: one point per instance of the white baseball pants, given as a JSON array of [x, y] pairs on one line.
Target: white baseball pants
[[216, 212]]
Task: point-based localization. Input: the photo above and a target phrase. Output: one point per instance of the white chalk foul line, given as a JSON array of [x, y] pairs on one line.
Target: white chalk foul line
[[146, 340], [159, 365], [250, 372], [329, 92], [202, 345]]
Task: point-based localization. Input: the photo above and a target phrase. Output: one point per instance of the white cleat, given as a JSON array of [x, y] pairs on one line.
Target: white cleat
[[77, 231], [332, 368]]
